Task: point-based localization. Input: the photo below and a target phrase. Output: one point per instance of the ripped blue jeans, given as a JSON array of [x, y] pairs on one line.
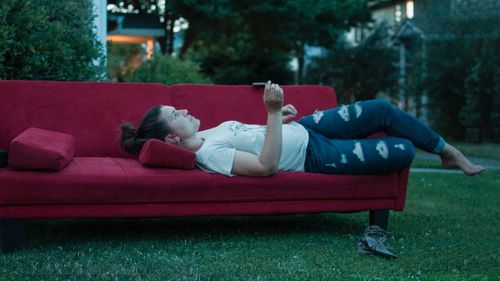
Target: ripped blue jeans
[[337, 143]]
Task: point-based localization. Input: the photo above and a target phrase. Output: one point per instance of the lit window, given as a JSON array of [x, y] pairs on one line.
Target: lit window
[[397, 13], [409, 9]]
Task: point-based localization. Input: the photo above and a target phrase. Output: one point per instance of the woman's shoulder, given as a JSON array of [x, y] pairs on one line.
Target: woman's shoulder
[[221, 126]]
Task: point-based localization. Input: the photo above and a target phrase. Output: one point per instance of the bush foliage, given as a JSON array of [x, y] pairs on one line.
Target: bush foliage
[[48, 40], [357, 72], [168, 70], [123, 59], [463, 84]]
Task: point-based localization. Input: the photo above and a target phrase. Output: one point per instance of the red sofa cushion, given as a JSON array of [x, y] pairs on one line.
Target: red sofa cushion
[[157, 153], [38, 149], [101, 180]]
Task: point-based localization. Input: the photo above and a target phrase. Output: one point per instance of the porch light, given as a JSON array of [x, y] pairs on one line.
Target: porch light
[[409, 9]]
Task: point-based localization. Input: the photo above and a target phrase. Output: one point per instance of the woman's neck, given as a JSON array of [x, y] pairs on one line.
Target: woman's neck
[[193, 143]]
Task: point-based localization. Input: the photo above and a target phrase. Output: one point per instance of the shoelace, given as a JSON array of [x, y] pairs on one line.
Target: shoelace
[[373, 242]]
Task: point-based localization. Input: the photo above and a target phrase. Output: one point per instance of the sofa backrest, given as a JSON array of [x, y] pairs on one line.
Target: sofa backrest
[[92, 112]]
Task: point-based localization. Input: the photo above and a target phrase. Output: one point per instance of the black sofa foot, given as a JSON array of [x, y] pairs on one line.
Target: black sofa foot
[[380, 218], [11, 235]]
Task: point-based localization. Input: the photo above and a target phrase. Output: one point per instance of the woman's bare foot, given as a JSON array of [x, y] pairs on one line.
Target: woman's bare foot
[[452, 157]]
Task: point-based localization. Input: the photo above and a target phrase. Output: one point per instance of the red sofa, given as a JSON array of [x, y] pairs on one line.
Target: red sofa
[[103, 181]]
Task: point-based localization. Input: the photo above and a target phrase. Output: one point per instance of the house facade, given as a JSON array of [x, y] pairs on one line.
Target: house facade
[[99, 24], [119, 23], [413, 24], [135, 28], [391, 13]]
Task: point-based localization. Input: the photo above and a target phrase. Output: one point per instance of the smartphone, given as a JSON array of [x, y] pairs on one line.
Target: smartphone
[[258, 84]]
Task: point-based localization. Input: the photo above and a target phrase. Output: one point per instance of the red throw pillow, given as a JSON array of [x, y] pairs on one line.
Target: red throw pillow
[[162, 154], [38, 149]]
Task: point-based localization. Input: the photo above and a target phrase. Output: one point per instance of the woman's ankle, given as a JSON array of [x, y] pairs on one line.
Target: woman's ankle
[[440, 146], [447, 150]]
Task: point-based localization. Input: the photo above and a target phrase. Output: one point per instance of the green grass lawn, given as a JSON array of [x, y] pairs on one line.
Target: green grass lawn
[[425, 163], [448, 231], [484, 150]]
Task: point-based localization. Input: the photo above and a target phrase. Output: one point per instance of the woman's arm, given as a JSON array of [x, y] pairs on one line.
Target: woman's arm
[[266, 164]]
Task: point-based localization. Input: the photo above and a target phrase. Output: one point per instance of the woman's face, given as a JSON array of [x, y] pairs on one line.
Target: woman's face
[[180, 122]]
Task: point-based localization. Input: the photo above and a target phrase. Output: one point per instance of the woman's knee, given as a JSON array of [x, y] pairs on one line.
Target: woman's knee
[[408, 150], [383, 105], [379, 108], [411, 151]]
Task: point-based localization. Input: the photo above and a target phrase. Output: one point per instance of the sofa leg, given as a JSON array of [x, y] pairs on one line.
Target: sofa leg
[[380, 218], [11, 235]]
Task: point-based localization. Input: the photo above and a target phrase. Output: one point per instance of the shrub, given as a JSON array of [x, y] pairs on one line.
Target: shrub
[[48, 40], [470, 115], [123, 59], [357, 72], [168, 70], [495, 113]]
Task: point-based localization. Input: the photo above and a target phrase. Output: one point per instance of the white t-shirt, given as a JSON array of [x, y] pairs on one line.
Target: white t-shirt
[[216, 155]]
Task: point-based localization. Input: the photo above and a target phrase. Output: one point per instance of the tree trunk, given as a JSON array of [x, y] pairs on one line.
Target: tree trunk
[[163, 44], [191, 35], [170, 21], [300, 58]]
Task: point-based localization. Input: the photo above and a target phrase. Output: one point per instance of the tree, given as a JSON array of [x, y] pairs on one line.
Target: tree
[[160, 8], [274, 31], [123, 59], [276, 27], [359, 72], [469, 116], [48, 40], [461, 70], [495, 104], [319, 24], [235, 58], [168, 70]]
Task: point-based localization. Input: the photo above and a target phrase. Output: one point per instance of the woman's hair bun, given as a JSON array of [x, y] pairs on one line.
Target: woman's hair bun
[[129, 138], [128, 130]]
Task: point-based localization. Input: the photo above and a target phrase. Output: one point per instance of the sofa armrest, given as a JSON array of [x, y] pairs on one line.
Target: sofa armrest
[[402, 187]]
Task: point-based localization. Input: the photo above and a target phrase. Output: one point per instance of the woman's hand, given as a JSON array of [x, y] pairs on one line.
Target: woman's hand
[[289, 112], [273, 97]]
